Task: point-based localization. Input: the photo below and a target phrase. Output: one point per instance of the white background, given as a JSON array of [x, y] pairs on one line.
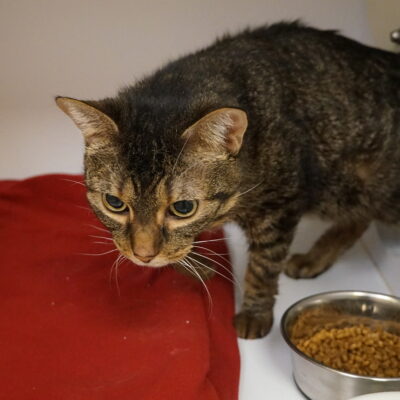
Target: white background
[[89, 48]]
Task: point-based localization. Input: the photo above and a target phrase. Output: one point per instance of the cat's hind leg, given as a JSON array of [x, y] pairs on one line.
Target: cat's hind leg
[[335, 241]]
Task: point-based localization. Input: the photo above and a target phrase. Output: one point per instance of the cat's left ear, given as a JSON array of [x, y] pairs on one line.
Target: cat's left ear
[[220, 131], [94, 124]]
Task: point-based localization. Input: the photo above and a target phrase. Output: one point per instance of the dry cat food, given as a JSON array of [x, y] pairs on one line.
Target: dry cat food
[[358, 345]]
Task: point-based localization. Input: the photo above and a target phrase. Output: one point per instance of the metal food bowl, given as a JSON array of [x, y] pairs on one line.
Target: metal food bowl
[[319, 382]]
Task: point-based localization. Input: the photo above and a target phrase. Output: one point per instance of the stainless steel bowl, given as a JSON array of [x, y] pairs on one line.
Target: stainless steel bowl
[[315, 380]]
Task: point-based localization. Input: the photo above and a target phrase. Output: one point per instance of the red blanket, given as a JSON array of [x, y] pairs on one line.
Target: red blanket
[[68, 332]]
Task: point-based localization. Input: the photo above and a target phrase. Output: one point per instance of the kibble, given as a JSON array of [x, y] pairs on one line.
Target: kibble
[[348, 343]]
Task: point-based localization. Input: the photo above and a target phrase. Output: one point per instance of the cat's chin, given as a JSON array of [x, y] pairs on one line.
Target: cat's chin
[[156, 263], [151, 264]]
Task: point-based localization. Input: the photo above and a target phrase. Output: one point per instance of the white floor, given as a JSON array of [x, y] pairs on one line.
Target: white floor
[[265, 363]]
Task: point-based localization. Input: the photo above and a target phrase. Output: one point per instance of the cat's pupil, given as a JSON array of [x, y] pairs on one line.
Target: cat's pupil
[[184, 206], [114, 201]]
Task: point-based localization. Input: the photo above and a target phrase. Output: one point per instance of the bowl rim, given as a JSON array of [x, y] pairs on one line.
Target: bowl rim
[[317, 363]]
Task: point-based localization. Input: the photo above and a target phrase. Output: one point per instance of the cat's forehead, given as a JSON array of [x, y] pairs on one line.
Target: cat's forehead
[[147, 169], [177, 183], [174, 182], [147, 161]]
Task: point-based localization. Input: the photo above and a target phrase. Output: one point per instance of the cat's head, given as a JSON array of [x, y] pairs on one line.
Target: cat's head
[[157, 191]]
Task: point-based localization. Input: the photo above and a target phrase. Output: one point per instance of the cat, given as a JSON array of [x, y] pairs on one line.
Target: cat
[[260, 128]]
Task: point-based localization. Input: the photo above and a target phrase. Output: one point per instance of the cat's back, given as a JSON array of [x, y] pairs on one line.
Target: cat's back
[[333, 82], [314, 76], [300, 55], [284, 56]]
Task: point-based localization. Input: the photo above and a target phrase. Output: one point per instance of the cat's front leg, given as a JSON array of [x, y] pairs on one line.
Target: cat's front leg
[[269, 243]]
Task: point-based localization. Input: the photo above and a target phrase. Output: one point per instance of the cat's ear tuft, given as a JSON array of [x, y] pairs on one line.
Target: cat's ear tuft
[[220, 131], [94, 124]]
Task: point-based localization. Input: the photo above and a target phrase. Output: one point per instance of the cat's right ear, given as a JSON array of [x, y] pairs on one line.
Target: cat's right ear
[[217, 133], [94, 124]]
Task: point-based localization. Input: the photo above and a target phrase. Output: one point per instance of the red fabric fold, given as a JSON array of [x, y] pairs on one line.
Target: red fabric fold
[[68, 332]]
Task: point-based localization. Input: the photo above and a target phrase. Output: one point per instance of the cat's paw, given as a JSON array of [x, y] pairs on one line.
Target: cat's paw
[[252, 326], [302, 266]]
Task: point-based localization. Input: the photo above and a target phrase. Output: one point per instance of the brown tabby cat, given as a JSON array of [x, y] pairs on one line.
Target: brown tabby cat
[[259, 128]]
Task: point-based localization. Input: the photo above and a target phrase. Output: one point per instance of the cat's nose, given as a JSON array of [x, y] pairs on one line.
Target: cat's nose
[[146, 242], [144, 257]]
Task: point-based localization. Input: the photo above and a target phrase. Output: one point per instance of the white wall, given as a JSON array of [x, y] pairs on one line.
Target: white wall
[[90, 48], [384, 17]]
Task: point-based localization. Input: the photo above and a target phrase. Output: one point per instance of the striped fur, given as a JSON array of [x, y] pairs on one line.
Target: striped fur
[[259, 128]]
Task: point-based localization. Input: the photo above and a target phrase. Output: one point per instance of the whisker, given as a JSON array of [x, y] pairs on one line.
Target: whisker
[[210, 240], [214, 252], [204, 265], [180, 262], [72, 181], [213, 261], [110, 244], [184, 266], [180, 153], [235, 281], [192, 268], [120, 259], [112, 269], [186, 171], [98, 228], [248, 190], [101, 237], [83, 207], [99, 254]]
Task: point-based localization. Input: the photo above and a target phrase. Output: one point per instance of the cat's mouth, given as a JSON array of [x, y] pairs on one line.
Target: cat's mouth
[[156, 262], [159, 260], [162, 259]]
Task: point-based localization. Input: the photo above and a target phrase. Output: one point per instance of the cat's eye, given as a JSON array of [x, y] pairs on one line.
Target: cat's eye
[[114, 203], [183, 208]]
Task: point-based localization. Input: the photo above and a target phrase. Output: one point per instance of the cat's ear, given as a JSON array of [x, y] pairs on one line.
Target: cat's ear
[[220, 131], [94, 124]]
